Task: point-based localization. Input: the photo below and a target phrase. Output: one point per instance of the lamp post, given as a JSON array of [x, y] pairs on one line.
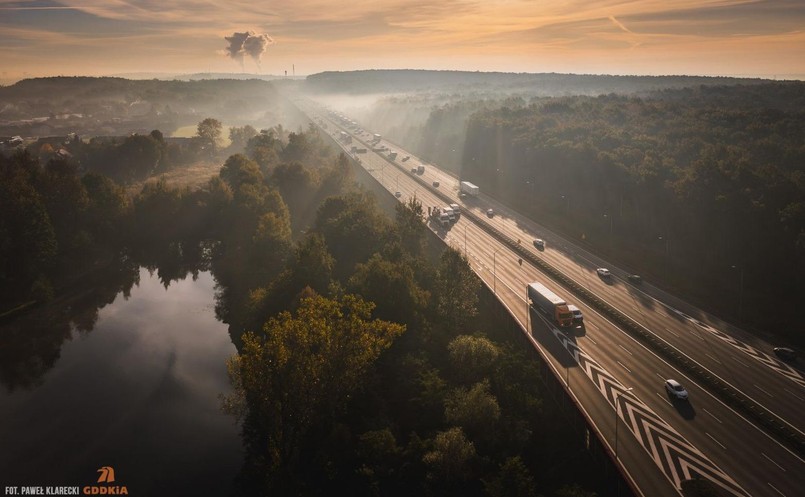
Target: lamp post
[[616, 418], [667, 243], [610, 223]]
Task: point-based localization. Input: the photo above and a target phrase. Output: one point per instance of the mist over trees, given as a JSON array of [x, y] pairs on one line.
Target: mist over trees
[[696, 192], [701, 182]]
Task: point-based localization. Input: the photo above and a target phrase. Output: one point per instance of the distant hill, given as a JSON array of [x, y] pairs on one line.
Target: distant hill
[[543, 84], [108, 106]]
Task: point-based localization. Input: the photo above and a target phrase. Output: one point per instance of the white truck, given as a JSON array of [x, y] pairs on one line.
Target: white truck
[[469, 188]]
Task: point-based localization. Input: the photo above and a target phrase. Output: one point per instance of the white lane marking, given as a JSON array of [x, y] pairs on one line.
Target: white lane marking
[[775, 489], [624, 367], [772, 461], [590, 325], [714, 440], [793, 394], [663, 398], [671, 332], [740, 362], [764, 391], [624, 348], [594, 342], [711, 414], [711, 357]]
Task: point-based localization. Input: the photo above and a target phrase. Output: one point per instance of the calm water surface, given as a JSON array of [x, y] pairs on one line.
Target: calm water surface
[[139, 393]]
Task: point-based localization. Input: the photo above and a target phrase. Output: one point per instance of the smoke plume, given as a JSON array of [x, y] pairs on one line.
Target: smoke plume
[[249, 43]]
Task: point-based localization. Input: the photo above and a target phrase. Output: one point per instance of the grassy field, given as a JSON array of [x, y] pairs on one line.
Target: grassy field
[[193, 176]]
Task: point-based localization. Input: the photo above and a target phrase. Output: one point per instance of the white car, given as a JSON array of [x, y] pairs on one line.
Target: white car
[[539, 243], [490, 212], [603, 272], [674, 388]]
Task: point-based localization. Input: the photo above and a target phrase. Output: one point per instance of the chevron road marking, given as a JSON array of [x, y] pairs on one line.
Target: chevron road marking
[[677, 458], [779, 366]]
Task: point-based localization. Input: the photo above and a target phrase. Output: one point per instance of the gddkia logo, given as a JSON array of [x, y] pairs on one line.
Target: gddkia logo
[[107, 475]]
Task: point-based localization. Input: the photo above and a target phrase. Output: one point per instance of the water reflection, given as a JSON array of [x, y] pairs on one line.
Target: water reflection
[[139, 393]]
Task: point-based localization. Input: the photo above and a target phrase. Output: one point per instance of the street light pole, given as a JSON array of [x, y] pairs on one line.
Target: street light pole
[[616, 418]]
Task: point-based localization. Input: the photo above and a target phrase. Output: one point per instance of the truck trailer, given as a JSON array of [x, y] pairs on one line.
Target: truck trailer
[[550, 304], [469, 188]]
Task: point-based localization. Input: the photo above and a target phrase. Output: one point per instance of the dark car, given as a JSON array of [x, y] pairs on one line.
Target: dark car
[[786, 353], [635, 278]]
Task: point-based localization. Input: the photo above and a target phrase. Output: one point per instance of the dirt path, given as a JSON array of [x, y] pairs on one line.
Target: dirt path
[[193, 176]]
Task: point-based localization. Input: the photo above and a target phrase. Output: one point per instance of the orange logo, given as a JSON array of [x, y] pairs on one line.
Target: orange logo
[[107, 474]]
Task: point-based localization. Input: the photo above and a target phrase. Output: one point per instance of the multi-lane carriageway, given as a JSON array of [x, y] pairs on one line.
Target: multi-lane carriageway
[[658, 441]]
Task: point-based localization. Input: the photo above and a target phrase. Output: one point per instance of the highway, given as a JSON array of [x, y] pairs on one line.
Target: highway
[[599, 361]]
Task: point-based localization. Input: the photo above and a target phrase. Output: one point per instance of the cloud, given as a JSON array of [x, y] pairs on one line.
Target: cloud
[[619, 24], [248, 43]]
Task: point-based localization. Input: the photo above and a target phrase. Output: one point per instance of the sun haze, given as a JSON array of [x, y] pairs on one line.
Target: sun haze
[[102, 37]]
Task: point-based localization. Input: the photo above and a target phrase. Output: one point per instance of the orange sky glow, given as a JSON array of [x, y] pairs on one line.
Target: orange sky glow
[[703, 37]]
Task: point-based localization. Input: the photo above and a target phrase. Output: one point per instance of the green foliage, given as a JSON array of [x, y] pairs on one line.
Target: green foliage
[[475, 409], [472, 357], [353, 229], [692, 182], [513, 480], [239, 137], [238, 170], [451, 458], [456, 290], [302, 368], [392, 286], [209, 132]]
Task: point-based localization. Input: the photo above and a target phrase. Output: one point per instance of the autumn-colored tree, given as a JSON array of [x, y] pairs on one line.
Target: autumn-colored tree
[[302, 368]]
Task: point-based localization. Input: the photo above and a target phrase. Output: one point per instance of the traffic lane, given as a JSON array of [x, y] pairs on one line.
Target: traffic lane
[[507, 271], [622, 301], [642, 469], [764, 385], [719, 433], [618, 357]]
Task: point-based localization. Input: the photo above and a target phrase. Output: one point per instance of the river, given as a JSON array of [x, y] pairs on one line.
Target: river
[[139, 392]]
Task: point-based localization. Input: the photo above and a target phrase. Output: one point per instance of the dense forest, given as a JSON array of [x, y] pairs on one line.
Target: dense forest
[[394, 81], [366, 364], [703, 187]]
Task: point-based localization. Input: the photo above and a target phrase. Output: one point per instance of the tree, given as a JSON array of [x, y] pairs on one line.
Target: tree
[[513, 480], [209, 132], [239, 137], [238, 170], [301, 370], [472, 357], [475, 410], [456, 290], [410, 225], [450, 459], [392, 285]]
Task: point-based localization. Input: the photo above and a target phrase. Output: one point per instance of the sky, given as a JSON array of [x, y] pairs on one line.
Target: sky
[[763, 38]]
